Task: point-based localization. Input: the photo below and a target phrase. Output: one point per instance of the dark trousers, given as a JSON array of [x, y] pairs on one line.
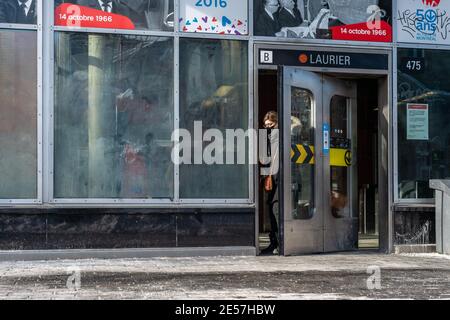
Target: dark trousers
[[273, 203]]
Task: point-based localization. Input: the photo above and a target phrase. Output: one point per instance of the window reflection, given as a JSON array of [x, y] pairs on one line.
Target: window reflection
[[18, 115], [340, 139], [302, 138], [114, 116], [214, 90], [423, 159]]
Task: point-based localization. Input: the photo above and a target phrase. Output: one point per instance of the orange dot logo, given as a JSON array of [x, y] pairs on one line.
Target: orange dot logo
[[303, 58]]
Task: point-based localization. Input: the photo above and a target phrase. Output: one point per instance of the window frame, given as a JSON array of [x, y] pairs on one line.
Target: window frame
[[176, 35], [400, 46]]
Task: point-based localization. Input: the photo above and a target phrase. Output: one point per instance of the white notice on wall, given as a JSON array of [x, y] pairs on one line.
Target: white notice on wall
[[227, 17], [417, 121]]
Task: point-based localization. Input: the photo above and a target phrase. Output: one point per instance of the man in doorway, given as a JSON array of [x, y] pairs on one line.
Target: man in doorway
[[267, 23], [289, 15], [18, 11], [110, 6]]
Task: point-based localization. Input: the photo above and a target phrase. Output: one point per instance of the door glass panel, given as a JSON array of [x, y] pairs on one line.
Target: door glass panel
[[340, 157], [302, 154]]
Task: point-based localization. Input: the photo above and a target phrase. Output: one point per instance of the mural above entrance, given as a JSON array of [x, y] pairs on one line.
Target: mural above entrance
[[363, 20]]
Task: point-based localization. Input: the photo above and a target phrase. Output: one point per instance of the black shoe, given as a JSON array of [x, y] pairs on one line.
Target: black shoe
[[270, 250]]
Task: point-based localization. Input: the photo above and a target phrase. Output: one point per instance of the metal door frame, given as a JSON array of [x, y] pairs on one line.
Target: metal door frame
[[385, 136]]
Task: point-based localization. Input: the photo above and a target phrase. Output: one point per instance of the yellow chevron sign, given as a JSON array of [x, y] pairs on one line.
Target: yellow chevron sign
[[302, 154]]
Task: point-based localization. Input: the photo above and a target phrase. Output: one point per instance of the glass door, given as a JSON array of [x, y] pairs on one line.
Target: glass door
[[302, 210], [340, 168], [318, 172]]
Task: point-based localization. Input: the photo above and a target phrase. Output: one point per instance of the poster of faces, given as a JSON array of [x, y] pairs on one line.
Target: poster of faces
[[117, 14], [362, 20], [18, 11]]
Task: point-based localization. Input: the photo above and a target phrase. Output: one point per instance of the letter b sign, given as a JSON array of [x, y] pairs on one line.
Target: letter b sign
[[266, 57]]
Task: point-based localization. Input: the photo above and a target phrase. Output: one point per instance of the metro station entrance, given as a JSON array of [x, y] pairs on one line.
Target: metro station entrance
[[333, 183]]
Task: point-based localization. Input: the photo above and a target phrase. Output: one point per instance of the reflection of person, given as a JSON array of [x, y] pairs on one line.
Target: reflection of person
[[296, 178], [338, 202], [18, 11], [135, 118], [271, 123], [289, 16], [267, 22], [111, 6]]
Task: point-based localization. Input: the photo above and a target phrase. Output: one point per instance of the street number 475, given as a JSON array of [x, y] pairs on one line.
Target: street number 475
[[212, 3], [414, 65]]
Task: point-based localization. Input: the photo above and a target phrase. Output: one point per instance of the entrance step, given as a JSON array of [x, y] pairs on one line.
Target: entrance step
[[368, 241], [415, 248]]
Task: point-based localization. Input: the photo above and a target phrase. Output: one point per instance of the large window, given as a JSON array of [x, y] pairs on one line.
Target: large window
[[100, 127], [113, 116], [214, 91], [18, 112], [423, 120]]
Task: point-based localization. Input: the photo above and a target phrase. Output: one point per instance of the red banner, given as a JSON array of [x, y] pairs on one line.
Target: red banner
[[75, 16], [361, 32]]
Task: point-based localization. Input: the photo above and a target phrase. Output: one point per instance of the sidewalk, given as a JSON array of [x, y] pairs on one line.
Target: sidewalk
[[336, 276]]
